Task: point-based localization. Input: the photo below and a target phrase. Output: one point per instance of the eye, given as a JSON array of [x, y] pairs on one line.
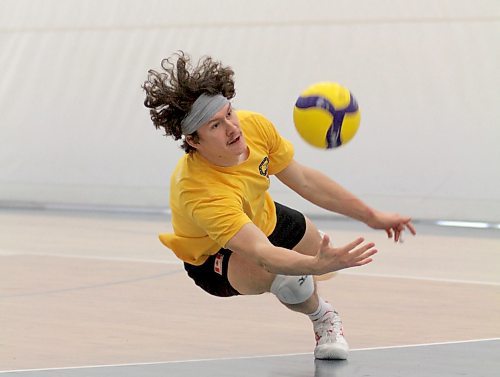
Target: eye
[[215, 125]]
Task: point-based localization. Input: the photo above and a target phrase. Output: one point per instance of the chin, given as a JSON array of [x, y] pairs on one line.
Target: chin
[[242, 147]]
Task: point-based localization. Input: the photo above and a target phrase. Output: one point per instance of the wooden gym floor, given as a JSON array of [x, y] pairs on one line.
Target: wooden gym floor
[[86, 289]]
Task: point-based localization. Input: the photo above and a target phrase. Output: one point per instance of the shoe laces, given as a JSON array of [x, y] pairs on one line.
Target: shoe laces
[[329, 328]]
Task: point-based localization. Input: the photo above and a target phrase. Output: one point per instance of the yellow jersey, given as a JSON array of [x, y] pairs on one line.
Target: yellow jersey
[[211, 203]]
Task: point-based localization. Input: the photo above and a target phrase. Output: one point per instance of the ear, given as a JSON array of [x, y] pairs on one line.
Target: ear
[[191, 141]]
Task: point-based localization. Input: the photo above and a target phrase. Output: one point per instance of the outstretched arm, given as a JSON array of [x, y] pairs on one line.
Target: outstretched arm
[[321, 190], [251, 242]]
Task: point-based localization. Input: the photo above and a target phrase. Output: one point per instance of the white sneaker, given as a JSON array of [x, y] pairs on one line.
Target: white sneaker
[[330, 341]]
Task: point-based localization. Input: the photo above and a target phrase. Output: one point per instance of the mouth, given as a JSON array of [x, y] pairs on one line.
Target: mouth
[[235, 140]]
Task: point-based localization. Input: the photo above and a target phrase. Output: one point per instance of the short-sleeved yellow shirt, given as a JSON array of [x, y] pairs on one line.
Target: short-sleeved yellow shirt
[[210, 203]]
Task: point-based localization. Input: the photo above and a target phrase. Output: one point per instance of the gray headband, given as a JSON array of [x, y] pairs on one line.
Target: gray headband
[[202, 110]]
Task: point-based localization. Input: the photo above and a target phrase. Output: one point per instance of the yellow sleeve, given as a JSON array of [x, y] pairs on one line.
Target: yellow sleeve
[[281, 150]]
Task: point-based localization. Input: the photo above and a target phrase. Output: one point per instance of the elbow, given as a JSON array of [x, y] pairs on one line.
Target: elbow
[[267, 267], [264, 263]]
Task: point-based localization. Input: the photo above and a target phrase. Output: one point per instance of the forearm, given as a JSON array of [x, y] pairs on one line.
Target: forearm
[[250, 242], [328, 194], [253, 244], [278, 260], [288, 262]]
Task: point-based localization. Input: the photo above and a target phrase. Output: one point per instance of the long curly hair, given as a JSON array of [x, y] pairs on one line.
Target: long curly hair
[[171, 92]]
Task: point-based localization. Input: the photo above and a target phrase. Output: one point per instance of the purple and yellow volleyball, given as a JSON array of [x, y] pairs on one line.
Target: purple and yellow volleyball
[[326, 115]]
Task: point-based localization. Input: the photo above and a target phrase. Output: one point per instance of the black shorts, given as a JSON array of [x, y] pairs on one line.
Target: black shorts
[[211, 276]]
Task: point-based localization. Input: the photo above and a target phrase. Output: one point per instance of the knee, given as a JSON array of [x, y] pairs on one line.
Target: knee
[[292, 289]]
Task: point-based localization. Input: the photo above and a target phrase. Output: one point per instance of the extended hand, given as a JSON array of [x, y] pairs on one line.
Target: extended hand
[[392, 223], [353, 254]]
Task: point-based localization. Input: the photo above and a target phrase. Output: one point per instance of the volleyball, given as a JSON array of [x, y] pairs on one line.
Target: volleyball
[[326, 115]]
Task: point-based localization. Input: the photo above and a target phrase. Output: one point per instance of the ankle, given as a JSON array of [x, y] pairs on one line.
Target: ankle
[[322, 309]]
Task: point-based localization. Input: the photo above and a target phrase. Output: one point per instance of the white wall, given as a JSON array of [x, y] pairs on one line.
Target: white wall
[[73, 130]]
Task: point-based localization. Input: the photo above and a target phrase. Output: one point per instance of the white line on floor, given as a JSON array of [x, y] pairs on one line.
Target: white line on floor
[[424, 278], [93, 257], [4, 252], [244, 357]]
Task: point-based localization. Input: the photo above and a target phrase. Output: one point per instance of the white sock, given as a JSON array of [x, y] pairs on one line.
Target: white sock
[[323, 308]]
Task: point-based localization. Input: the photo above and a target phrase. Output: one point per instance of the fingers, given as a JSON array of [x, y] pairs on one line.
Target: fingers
[[365, 260], [400, 228], [362, 250], [399, 237], [397, 232], [357, 256], [354, 244], [410, 227], [362, 255], [352, 254], [325, 241]]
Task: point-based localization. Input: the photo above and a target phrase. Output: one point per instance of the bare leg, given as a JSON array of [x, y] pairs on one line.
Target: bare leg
[[250, 279], [309, 245]]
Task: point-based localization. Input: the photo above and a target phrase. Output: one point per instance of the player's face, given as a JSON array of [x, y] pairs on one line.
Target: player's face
[[221, 140]]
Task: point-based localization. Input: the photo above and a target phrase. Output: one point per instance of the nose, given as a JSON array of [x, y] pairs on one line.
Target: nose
[[230, 127]]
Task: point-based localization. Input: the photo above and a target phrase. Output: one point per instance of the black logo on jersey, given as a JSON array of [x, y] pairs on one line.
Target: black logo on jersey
[[263, 166]]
